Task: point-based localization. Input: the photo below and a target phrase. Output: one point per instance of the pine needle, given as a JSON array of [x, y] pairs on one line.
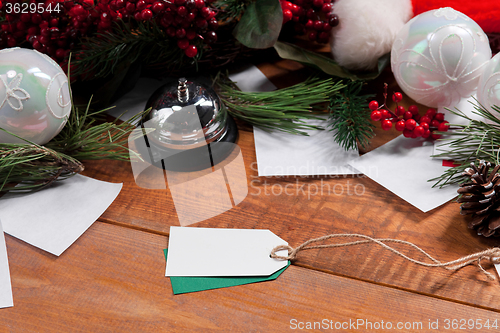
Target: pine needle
[[469, 143], [349, 118], [284, 109]]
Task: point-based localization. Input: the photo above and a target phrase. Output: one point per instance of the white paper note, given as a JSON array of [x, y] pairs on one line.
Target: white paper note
[[283, 154], [251, 79], [404, 166], [222, 252], [53, 218], [6, 299]]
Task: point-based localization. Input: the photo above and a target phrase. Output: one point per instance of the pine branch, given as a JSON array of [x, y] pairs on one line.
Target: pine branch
[[349, 118], [33, 166], [102, 53], [230, 11], [284, 109], [469, 143]]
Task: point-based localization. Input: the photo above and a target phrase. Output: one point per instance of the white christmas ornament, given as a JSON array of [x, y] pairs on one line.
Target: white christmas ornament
[[488, 89], [34, 96], [438, 57]]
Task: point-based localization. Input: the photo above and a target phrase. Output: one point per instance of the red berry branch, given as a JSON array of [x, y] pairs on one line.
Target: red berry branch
[[410, 122], [313, 18], [55, 27]]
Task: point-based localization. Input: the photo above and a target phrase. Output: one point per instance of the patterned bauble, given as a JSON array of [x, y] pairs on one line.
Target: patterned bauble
[[438, 57], [34, 96], [488, 90]]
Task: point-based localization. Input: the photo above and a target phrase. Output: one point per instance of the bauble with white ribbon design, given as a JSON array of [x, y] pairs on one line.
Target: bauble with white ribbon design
[[35, 100], [438, 57]]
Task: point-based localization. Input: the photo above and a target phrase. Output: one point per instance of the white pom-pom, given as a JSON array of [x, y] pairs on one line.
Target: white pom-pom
[[367, 30]]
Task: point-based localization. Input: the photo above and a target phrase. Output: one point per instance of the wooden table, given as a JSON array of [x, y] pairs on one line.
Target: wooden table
[[112, 279]]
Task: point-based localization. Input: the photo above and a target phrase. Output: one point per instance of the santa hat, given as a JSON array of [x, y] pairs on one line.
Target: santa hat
[[486, 13]]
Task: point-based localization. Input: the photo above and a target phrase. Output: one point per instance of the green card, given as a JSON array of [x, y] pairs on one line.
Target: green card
[[189, 284]]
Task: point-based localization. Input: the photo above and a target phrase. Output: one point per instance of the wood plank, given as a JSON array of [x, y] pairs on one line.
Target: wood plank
[[111, 280], [309, 213]]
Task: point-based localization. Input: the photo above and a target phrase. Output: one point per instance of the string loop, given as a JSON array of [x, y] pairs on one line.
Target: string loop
[[492, 255]]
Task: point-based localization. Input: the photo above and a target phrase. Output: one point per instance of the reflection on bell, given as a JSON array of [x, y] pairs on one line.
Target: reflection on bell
[[188, 127]]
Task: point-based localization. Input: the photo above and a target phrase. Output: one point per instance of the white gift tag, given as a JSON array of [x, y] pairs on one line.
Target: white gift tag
[[497, 267], [222, 252]]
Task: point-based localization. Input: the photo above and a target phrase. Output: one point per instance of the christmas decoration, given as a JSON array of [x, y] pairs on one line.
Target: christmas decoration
[[475, 140], [483, 12], [35, 96], [348, 117], [186, 116], [480, 197], [408, 121], [32, 167], [438, 56], [360, 40], [488, 91], [283, 109], [313, 18]]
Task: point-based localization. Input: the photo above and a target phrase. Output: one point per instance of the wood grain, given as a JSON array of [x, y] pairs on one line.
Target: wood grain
[[112, 280], [318, 206]]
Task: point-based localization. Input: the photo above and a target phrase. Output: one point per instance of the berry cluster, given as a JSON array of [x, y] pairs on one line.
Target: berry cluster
[[410, 122], [55, 27], [312, 17]]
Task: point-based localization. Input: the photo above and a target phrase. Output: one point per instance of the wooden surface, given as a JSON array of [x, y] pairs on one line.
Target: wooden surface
[[112, 278]]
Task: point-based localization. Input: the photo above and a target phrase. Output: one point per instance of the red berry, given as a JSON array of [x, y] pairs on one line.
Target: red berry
[[191, 51], [435, 123], [385, 114], [286, 5], [400, 110], [426, 134], [376, 115], [206, 12], [317, 3], [443, 127], [397, 97], [211, 37], [413, 109], [309, 24], [182, 11], [425, 119], [439, 116], [318, 25], [431, 113], [419, 131], [199, 3], [312, 36], [373, 104], [333, 21], [326, 8], [425, 126], [287, 15], [407, 115], [411, 124], [157, 7], [400, 125], [180, 33], [435, 136], [146, 14], [386, 124], [407, 133], [191, 34], [417, 117], [183, 43]]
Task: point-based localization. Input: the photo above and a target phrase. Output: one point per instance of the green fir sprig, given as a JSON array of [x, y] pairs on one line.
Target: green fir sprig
[[230, 11], [32, 167], [105, 53], [283, 109], [349, 117], [477, 140]]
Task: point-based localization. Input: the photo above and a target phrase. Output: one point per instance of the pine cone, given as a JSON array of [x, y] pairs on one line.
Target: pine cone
[[481, 198]]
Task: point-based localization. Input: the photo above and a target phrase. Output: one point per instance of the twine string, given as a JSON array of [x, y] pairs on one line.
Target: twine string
[[492, 255]]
